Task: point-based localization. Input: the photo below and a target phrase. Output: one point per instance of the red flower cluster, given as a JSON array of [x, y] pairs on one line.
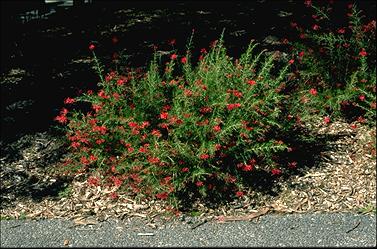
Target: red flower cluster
[[233, 106], [363, 53], [326, 119], [276, 171], [185, 169], [292, 165], [164, 115], [62, 118], [93, 181], [101, 129], [162, 196], [156, 133], [204, 156], [251, 82], [217, 128], [315, 27], [313, 92], [199, 183], [69, 101], [341, 31], [205, 109]]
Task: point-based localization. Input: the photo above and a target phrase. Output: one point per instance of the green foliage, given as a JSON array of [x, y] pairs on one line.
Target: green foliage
[[187, 128], [339, 63]]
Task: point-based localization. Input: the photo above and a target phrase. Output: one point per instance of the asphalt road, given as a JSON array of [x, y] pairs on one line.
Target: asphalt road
[[296, 230]]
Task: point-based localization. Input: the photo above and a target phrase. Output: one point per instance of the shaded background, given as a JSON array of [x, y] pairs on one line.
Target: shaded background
[[44, 46]]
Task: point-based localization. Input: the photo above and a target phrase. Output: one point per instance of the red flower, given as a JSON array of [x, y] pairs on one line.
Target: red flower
[[217, 128], [162, 196], [237, 94], [173, 56], [143, 150], [301, 54], [302, 36], [361, 119], [233, 106], [184, 60], [315, 27], [100, 141], [247, 167], [239, 193], [308, 3], [156, 133], [84, 160], [313, 92], [326, 119], [164, 115], [204, 156], [153, 160], [61, 119], [96, 108], [69, 101], [293, 24], [92, 158], [94, 181], [102, 94], [205, 109], [185, 169], [363, 53], [341, 31], [292, 165], [291, 61], [199, 183], [276, 171], [100, 129], [133, 125], [251, 82], [121, 81], [362, 97], [203, 51], [75, 145], [64, 111], [92, 47]]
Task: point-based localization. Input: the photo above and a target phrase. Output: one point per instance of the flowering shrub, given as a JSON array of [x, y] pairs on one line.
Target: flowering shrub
[[181, 128], [335, 64]]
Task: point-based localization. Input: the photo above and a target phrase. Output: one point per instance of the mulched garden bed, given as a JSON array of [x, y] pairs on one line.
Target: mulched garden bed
[[340, 178]]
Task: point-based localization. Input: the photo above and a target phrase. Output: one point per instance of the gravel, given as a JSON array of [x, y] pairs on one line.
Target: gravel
[[295, 230]]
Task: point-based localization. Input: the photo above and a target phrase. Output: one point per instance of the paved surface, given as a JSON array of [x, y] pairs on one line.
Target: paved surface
[[296, 230]]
